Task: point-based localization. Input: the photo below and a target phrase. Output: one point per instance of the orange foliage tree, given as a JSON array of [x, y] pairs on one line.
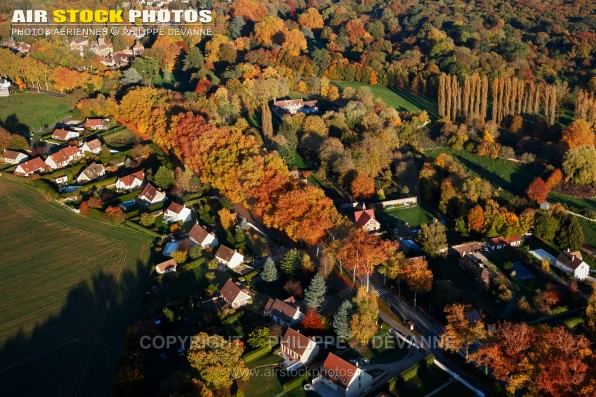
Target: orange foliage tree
[[362, 187], [537, 190], [578, 133]]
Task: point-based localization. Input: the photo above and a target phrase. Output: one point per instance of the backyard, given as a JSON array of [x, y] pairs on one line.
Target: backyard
[[70, 287]]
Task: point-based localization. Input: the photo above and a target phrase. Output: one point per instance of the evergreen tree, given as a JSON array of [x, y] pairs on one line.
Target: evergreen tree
[[571, 234], [269, 273], [314, 296], [290, 262], [240, 238], [341, 320], [164, 178]]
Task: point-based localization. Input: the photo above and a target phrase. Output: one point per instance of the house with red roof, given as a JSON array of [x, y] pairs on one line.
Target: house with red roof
[[176, 213], [92, 146], [342, 377], [151, 195], [131, 181], [229, 257], [573, 263], [285, 312], [365, 219], [63, 157], [13, 157], [64, 135], [168, 266], [297, 349], [28, 168], [199, 236], [97, 124], [233, 295]]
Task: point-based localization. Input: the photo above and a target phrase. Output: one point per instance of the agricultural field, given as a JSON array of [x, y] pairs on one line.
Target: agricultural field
[[507, 175], [25, 112], [399, 99], [70, 286]]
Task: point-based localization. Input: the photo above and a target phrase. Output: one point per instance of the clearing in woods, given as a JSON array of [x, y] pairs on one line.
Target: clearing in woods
[[69, 287]]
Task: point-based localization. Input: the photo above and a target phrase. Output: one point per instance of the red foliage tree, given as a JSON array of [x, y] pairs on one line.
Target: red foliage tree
[[362, 187], [537, 190], [313, 320]]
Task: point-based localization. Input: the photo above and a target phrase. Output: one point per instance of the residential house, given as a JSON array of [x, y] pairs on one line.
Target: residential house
[[131, 181], [61, 180], [199, 236], [474, 264], [572, 263], [233, 295], [64, 135], [464, 249], [496, 243], [176, 213], [365, 219], [138, 49], [28, 168], [294, 106], [166, 267], [344, 378], [4, 87], [63, 157], [13, 157], [151, 195], [297, 349], [228, 257], [545, 205], [285, 312], [91, 173], [97, 124], [92, 146], [79, 44], [513, 241]]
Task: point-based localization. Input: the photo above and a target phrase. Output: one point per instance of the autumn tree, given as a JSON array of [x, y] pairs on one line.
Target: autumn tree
[[362, 187], [537, 190], [460, 331], [364, 319], [313, 320], [578, 133], [554, 179], [475, 218], [591, 308], [418, 276], [266, 122], [579, 165], [432, 238], [311, 18], [259, 337], [217, 361]]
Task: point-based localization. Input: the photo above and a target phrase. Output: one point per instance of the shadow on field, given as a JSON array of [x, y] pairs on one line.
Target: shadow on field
[[75, 352], [13, 125]]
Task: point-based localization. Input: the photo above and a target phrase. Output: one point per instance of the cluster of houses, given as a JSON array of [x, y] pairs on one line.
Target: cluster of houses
[[104, 50], [17, 47]]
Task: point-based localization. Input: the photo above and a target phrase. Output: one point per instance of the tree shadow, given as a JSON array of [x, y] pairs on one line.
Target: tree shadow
[[13, 125], [75, 352]]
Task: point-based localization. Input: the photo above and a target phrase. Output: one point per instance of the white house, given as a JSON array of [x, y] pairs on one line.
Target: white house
[[30, 167], [97, 124], [572, 263], [91, 173], [199, 236], [297, 349], [92, 146], [176, 213], [64, 135], [151, 195], [294, 106], [344, 378], [166, 267], [228, 257], [63, 157], [131, 181], [283, 312], [13, 157], [233, 295], [61, 180]]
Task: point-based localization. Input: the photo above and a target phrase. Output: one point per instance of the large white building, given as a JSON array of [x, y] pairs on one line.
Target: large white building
[[297, 349]]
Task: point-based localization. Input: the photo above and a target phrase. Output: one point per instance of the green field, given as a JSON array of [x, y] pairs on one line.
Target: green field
[[121, 139], [33, 110], [507, 175], [399, 99], [69, 286], [414, 216], [572, 202]]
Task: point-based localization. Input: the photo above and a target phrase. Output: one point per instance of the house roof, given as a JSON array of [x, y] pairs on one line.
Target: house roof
[[163, 266], [129, 179], [363, 217], [61, 134], [32, 165], [94, 171], [512, 239], [417, 260], [176, 208], [464, 248], [295, 102], [59, 157], [571, 259], [94, 122], [93, 144], [295, 341], [281, 310], [198, 233], [224, 253], [70, 151], [338, 370], [12, 155], [149, 192], [230, 291]]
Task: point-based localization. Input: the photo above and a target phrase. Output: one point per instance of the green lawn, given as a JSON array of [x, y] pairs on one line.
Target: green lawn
[[512, 177], [572, 202], [70, 286], [33, 110], [414, 216], [399, 99], [427, 380], [121, 139], [589, 231]]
